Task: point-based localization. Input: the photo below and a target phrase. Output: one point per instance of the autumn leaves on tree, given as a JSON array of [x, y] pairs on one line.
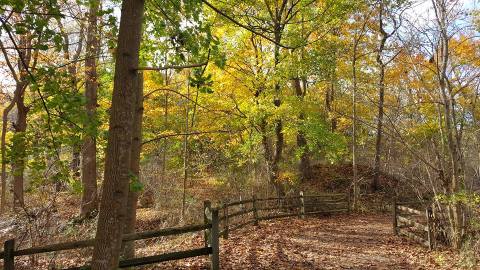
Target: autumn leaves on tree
[[153, 102]]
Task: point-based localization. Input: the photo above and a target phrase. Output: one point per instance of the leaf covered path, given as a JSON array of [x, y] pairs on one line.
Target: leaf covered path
[[335, 242]]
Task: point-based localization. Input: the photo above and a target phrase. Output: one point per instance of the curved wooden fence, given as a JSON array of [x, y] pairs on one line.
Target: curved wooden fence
[[218, 221]]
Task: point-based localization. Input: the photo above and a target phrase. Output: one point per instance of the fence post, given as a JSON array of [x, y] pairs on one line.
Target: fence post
[[302, 205], [207, 218], [395, 225], [215, 241], [255, 210], [9, 258], [225, 220], [430, 236]]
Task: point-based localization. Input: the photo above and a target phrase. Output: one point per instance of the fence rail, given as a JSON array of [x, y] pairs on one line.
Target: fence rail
[[218, 221], [275, 207], [414, 223]]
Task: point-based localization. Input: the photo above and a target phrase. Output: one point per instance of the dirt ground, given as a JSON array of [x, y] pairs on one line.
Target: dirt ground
[[359, 242], [336, 242]]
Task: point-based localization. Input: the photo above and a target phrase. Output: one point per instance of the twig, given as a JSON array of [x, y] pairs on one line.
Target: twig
[[185, 134], [245, 26], [173, 67]]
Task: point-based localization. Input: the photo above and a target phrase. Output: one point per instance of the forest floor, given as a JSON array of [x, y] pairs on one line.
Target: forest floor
[[355, 241], [335, 242]]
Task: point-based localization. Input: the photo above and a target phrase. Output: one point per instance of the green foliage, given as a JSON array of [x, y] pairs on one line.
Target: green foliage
[[135, 184], [201, 81], [462, 197], [181, 34], [323, 142], [65, 105], [34, 23]]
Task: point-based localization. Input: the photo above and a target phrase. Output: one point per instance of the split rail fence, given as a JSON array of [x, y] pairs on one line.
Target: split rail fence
[[414, 222], [218, 221]]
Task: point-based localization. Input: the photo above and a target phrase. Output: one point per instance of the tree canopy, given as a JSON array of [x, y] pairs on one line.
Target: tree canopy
[[163, 101]]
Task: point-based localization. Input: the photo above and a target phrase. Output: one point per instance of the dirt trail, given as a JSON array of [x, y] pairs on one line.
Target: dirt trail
[[336, 242]]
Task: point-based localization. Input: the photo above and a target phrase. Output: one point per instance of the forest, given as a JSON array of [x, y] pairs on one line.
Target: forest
[[135, 128]]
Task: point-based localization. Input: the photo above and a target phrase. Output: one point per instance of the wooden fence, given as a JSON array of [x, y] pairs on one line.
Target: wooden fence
[[414, 222], [218, 221], [238, 214]]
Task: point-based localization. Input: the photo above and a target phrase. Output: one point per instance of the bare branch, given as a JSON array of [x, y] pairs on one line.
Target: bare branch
[[245, 26], [173, 67], [9, 64], [186, 134]]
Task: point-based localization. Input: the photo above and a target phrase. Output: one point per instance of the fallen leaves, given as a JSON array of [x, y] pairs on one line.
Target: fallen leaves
[[355, 242], [334, 242]]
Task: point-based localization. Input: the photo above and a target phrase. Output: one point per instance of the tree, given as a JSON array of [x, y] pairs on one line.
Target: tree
[[26, 56], [357, 39], [89, 153], [27, 35], [135, 184], [385, 10], [442, 55], [117, 174], [72, 60], [20, 125], [282, 23]]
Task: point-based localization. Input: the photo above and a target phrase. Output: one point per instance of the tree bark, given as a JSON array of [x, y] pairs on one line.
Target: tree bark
[[6, 111], [185, 153], [89, 202], [163, 179], [304, 165], [18, 144], [329, 99], [20, 126], [72, 72], [263, 125], [129, 250], [454, 149], [76, 147], [75, 162], [381, 97], [355, 184], [19, 149], [279, 138], [118, 153]]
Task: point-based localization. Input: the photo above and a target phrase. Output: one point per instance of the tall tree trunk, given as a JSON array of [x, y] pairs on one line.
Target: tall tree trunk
[[356, 189], [381, 97], [163, 179], [304, 166], [185, 153], [329, 99], [76, 147], [20, 126], [6, 111], [453, 145], [72, 72], [89, 154], [18, 143], [75, 162], [118, 153], [279, 138], [379, 132], [268, 155], [263, 126], [129, 251], [19, 150]]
